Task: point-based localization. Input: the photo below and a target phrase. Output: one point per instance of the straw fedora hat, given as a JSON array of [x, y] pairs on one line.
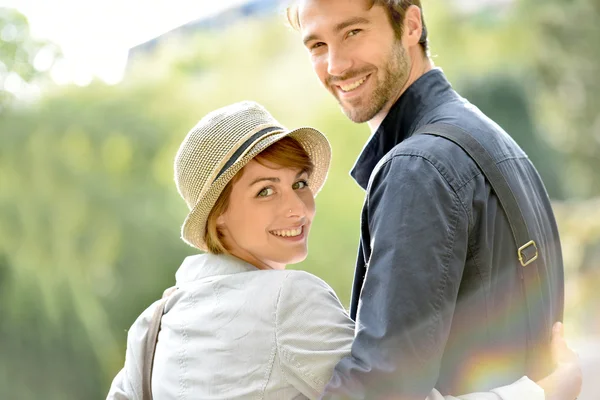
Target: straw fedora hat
[[220, 145]]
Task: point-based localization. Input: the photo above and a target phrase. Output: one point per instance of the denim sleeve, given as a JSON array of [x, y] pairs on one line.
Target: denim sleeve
[[417, 236]]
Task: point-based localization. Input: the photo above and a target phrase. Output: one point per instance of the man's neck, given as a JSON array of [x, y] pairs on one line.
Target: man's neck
[[418, 69]]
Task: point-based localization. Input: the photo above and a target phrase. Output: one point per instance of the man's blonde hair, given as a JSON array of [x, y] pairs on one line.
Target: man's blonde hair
[[396, 11]]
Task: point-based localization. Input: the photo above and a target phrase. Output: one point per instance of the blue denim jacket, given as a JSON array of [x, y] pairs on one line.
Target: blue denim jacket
[[437, 294]]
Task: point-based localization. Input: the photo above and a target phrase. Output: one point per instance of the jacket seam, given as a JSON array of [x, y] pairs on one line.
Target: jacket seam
[[486, 292], [433, 164], [445, 264], [274, 352], [283, 354], [394, 156], [182, 359], [471, 179], [451, 238], [508, 158], [277, 347]]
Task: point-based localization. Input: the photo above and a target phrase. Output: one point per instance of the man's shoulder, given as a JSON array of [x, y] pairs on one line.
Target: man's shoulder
[[447, 158], [469, 118]]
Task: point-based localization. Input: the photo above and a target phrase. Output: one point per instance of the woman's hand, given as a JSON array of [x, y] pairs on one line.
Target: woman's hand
[[565, 382]]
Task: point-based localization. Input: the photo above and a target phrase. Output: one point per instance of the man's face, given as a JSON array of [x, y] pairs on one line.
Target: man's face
[[355, 53]]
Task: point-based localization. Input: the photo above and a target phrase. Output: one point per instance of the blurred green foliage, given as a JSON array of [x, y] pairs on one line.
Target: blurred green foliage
[[90, 214], [23, 59], [567, 65]]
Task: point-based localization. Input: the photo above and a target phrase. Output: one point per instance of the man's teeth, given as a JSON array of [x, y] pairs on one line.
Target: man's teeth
[[354, 85], [288, 233]]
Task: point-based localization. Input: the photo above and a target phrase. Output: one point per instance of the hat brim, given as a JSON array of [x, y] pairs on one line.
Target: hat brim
[[314, 143]]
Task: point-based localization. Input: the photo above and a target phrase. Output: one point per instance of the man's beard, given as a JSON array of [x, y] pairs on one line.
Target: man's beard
[[395, 75]]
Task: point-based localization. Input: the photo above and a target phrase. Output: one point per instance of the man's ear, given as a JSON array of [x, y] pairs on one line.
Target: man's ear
[[413, 26]]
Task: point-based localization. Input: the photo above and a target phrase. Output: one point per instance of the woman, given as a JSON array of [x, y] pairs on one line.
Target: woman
[[239, 326]]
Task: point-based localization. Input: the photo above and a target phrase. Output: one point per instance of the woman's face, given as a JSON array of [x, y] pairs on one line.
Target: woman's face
[[269, 215]]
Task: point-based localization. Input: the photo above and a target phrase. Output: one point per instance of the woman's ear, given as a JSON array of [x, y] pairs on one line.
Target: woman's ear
[[221, 221]]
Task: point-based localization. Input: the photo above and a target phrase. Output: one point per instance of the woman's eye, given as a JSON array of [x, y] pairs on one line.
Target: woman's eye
[[300, 185], [265, 192]]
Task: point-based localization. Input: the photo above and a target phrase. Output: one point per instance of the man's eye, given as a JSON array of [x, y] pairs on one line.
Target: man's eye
[[300, 185], [353, 32], [265, 192], [317, 45]]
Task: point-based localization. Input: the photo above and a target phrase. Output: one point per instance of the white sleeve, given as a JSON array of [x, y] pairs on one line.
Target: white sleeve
[[524, 388], [127, 384], [313, 332], [121, 388]]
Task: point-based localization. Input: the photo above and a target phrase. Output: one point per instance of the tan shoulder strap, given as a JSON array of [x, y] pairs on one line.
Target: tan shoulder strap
[[150, 345]]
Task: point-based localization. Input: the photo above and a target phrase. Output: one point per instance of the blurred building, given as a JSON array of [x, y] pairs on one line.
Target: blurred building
[[252, 8], [475, 6], [220, 20]]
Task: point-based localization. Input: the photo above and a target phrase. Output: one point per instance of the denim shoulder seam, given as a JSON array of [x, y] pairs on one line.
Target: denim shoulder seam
[[433, 164], [428, 160], [445, 265]]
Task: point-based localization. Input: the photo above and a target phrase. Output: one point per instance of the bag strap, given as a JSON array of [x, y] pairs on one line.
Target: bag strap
[[527, 251], [150, 344]]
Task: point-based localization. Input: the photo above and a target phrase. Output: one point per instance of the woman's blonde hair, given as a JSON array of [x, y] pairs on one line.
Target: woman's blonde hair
[[287, 153]]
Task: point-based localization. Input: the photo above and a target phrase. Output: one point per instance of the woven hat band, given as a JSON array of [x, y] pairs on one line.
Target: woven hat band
[[242, 149]]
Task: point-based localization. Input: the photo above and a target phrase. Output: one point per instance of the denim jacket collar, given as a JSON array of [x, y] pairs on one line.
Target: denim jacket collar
[[423, 96], [202, 266]]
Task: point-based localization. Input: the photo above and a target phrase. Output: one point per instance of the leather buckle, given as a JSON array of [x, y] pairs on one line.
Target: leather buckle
[[526, 260]]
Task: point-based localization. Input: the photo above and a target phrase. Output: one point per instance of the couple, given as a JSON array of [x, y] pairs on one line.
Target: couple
[[439, 298]]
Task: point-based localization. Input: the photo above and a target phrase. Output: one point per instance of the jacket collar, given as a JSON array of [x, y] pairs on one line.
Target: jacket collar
[[424, 95], [202, 266]]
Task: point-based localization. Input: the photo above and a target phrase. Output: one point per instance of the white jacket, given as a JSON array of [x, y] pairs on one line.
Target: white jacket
[[232, 331]]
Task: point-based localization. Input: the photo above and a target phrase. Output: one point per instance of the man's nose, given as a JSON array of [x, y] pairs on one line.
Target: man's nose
[[338, 62]]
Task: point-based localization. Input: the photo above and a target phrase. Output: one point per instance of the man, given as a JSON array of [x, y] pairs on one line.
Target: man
[[438, 295]]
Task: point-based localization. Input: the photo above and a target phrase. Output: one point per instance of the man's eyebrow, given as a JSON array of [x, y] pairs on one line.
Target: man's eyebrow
[[349, 22], [309, 38], [339, 27]]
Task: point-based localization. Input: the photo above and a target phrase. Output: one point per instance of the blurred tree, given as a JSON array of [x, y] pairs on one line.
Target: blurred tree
[[567, 64], [23, 59], [86, 242], [505, 99]]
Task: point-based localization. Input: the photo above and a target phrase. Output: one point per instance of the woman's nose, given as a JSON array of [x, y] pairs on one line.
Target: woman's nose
[[295, 207]]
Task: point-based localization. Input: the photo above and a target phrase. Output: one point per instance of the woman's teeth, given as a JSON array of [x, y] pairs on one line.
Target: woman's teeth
[[288, 233]]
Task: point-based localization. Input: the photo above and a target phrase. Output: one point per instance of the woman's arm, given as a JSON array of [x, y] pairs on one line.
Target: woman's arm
[[564, 383], [127, 384], [522, 389], [313, 332], [120, 388]]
